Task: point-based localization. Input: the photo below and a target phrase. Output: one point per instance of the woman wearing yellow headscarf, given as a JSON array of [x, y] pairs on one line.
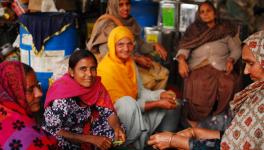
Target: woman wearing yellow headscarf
[[154, 75], [139, 109]]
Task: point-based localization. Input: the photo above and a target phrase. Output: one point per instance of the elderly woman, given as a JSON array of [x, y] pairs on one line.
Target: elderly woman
[[211, 51], [246, 129], [154, 76], [78, 109], [20, 96], [140, 110]]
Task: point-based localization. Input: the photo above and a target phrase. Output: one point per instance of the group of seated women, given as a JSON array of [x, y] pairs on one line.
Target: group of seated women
[[84, 111], [100, 106]]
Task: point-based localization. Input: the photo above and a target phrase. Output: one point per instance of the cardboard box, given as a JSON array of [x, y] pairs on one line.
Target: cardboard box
[[34, 5], [67, 5]]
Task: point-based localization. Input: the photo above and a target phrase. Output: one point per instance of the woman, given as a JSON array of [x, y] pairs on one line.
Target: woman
[[78, 109], [20, 95], [211, 51], [154, 75], [246, 129], [140, 110]]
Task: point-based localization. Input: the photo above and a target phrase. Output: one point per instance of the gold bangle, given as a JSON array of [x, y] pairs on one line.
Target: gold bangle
[[192, 132], [171, 139]]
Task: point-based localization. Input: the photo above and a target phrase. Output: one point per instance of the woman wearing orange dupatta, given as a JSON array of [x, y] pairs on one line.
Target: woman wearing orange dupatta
[[140, 110], [78, 99], [19, 99], [154, 75]]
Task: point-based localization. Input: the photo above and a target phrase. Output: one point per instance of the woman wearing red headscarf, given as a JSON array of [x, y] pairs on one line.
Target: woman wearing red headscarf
[[20, 96]]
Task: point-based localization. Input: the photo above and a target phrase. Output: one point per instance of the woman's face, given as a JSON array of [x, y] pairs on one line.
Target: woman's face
[[124, 48], [84, 72], [33, 92], [207, 14], [253, 68], [124, 8]]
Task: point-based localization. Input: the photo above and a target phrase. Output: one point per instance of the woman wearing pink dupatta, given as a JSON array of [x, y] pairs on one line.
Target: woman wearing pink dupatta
[[19, 99], [78, 109]]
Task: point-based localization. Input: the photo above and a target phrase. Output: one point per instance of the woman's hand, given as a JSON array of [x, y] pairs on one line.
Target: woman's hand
[[161, 140], [229, 65], [189, 133], [167, 100], [183, 67], [166, 104], [168, 94], [120, 134], [161, 51], [101, 142], [143, 61]]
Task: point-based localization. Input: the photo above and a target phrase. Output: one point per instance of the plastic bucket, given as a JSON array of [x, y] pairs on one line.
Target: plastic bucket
[[55, 49]]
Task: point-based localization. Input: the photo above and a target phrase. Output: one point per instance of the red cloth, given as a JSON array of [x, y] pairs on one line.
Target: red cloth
[[13, 86], [67, 87], [17, 129]]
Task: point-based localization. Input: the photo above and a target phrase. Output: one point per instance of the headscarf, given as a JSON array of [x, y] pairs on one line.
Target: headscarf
[[198, 33], [17, 129], [119, 78], [99, 33], [67, 87], [130, 22], [246, 128], [13, 86], [256, 45]]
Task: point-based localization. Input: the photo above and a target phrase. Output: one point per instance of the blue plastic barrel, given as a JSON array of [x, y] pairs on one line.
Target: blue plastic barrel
[[65, 42], [145, 12]]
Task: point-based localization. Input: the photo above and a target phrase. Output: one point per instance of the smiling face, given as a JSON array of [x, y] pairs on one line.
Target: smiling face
[[253, 68], [84, 72], [124, 48], [207, 14], [33, 92], [124, 8]]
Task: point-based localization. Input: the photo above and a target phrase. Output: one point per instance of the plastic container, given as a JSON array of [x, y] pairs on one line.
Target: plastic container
[[55, 49]]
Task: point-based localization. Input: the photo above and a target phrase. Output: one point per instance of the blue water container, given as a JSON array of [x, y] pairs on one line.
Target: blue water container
[[59, 45], [145, 12]]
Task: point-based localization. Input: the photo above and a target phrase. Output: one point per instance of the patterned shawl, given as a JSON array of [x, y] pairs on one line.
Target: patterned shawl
[[100, 30], [199, 33], [67, 87], [246, 129], [256, 45], [119, 78]]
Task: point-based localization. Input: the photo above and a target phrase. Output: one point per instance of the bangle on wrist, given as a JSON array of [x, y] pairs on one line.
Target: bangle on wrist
[[192, 132], [170, 140]]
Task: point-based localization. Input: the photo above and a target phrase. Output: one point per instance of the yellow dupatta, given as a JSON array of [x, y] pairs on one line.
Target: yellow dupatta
[[120, 79]]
